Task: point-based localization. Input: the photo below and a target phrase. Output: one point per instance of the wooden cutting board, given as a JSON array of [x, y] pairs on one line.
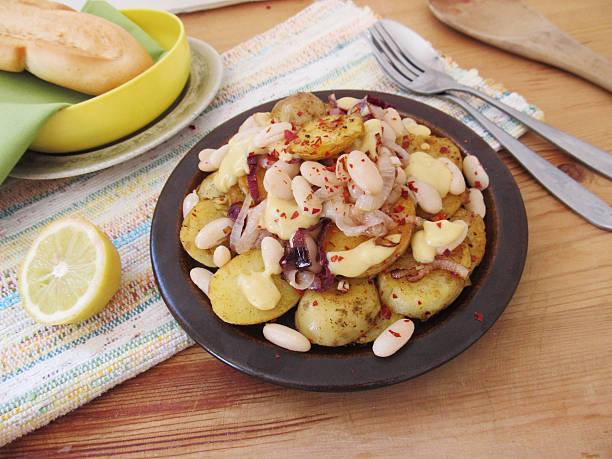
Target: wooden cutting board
[[515, 27]]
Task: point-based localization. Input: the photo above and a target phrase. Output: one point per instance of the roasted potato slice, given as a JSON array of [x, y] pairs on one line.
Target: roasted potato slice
[[384, 318], [298, 108], [333, 318], [203, 213], [326, 136], [476, 237], [208, 190], [335, 240], [423, 298], [433, 145], [229, 302]]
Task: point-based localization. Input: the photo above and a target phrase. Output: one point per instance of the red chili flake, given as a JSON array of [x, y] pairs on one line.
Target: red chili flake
[[443, 149], [331, 243], [394, 295], [283, 215], [352, 370], [363, 160], [396, 334], [385, 311], [299, 113], [446, 253], [406, 320], [398, 209], [315, 210], [335, 230], [340, 258], [331, 168], [477, 184], [440, 216], [475, 172], [412, 187], [419, 302], [289, 136], [276, 356], [473, 257], [305, 209], [402, 222], [346, 247], [315, 302], [405, 194], [439, 224], [345, 194], [317, 141], [300, 292], [478, 316], [295, 215], [334, 258]]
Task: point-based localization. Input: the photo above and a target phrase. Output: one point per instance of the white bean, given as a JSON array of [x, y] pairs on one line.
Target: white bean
[[270, 134], [291, 169], [393, 338], [210, 159], [272, 251], [277, 183], [286, 337], [318, 175], [388, 133], [304, 196], [221, 255], [457, 185], [214, 233], [454, 244], [475, 174], [189, 202], [364, 172], [201, 277], [426, 195], [393, 118], [476, 202]]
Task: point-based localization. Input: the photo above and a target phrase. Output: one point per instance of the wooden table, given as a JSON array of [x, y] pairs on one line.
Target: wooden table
[[538, 384]]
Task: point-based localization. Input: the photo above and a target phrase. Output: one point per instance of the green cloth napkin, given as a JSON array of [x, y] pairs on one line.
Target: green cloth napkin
[[27, 102]]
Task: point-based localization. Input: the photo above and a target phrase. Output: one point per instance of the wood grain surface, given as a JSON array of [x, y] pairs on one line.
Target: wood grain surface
[[538, 384]]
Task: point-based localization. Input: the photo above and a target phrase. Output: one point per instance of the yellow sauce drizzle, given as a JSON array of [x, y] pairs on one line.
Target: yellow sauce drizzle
[[283, 217], [356, 261], [434, 235], [428, 169]]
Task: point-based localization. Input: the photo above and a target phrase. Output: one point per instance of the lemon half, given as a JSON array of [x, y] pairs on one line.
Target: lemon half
[[70, 273]]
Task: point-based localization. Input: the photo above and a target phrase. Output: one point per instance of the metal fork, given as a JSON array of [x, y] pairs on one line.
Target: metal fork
[[424, 79], [566, 189]]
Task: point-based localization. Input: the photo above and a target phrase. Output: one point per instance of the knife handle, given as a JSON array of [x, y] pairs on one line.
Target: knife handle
[[566, 189], [590, 155]]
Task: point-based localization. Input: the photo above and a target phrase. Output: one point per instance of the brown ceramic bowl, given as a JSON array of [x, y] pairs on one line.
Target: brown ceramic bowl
[[434, 342]]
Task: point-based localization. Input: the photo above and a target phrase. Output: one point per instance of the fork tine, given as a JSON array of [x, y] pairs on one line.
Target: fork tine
[[389, 67], [392, 54], [404, 56]]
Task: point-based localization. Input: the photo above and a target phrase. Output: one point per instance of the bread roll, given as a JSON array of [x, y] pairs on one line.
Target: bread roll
[[76, 50]]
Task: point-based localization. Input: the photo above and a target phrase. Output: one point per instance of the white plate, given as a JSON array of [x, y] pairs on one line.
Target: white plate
[[203, 84]]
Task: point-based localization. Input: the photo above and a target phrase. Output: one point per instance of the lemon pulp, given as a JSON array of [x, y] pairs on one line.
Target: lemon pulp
[[70, 272]]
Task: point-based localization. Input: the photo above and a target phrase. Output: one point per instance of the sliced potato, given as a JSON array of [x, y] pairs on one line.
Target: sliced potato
[[441, 147], [433, 145], [333, 318], [335, 240], [203, 213], [384, 318], [476, 237], [229, 302], [426, 297], [208, 190], [298, 108], [326, 136]]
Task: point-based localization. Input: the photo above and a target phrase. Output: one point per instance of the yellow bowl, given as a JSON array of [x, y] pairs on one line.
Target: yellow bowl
[[131, 106]]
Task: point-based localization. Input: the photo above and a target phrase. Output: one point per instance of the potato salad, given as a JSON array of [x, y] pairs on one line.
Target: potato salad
[[355, 218]]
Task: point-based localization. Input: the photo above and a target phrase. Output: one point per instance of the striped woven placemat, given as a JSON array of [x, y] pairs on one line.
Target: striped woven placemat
[[47, 371]]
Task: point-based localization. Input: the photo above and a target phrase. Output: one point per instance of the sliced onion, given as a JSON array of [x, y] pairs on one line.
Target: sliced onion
[[417, 273], [252, 178], [300, 280], [239, 223]]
